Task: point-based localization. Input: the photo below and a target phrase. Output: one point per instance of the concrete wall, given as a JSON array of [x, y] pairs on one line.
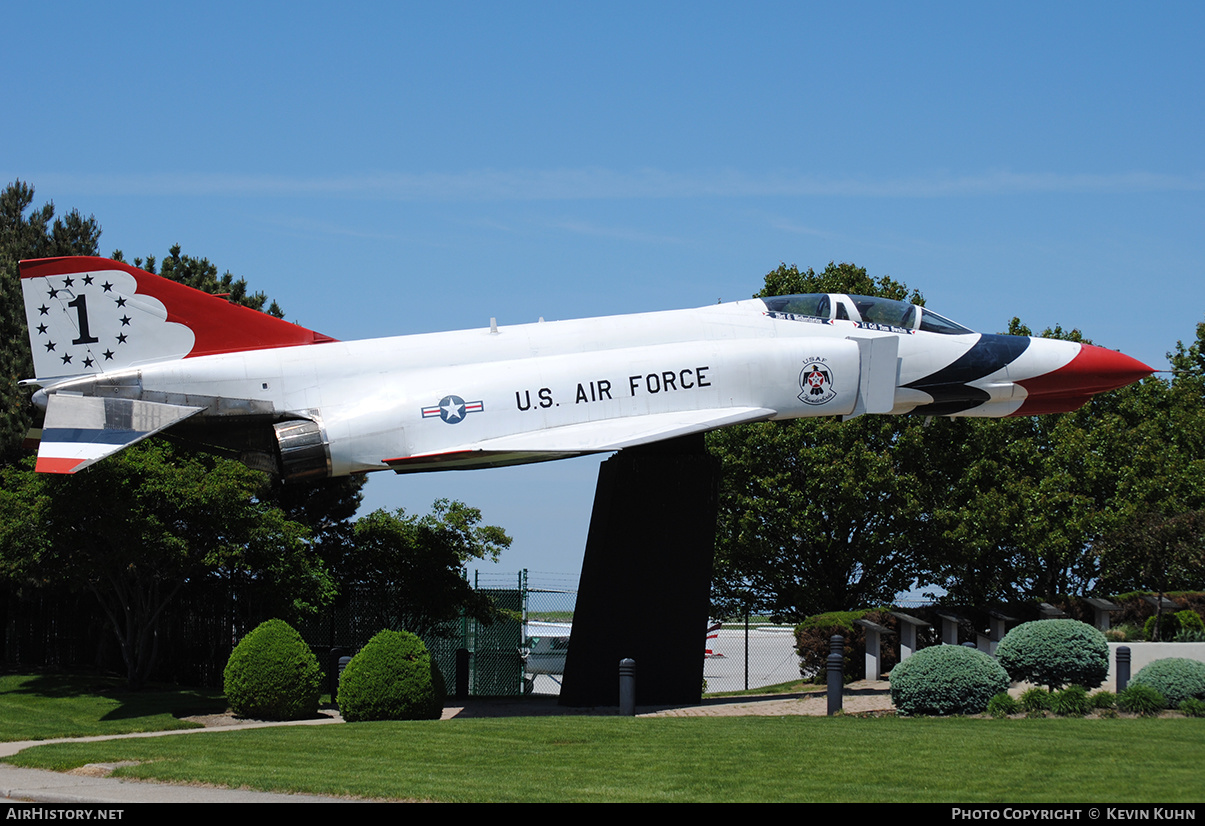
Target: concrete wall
[[1142, 653]]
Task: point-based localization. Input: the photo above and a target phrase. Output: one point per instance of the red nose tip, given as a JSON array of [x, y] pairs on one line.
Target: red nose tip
[[1093, 370]]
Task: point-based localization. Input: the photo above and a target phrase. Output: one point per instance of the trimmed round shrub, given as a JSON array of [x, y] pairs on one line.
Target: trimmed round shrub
[[392, 678], [1176, 678], [1168, 629], [812, 643], [273, 675], [946, 679], [1055, 653], [1137, 698], [1190, 620]]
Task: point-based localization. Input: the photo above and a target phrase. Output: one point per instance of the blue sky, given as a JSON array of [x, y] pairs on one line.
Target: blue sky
[[393, 168]]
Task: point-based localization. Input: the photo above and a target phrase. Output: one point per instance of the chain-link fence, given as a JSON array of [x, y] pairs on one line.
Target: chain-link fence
[[742, 656], [738, 656], [525, 652], [550, 602]]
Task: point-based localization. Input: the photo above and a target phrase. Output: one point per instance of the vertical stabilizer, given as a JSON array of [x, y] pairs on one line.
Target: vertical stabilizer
[[90, 315]]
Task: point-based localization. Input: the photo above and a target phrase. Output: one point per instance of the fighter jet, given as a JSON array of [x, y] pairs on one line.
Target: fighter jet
[[121, 354]]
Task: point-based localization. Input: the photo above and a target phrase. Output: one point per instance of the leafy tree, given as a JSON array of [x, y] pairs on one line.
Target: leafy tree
[[1022, 501], [973, 501], [836, 278], [327, 507], [817, 515], [1153, 531], [1156, 552], [814, 513], [1013, 504], [418, 561], [1189, 363], [135, 529], [200, 274]]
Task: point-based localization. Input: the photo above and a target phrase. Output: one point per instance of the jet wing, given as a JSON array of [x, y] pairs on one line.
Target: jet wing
[[81, 430], [579, 439]]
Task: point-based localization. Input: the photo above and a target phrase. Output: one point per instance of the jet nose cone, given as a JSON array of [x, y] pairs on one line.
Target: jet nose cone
[[1092, 370], [1097, 369]]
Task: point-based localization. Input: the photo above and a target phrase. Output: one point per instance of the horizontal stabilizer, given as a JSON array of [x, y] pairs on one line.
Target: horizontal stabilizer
[[80, 430], [580, 439]]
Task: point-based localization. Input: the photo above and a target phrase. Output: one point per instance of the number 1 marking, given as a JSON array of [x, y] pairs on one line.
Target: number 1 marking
[[81, 309]]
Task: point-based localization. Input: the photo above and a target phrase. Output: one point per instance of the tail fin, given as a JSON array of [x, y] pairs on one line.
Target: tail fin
[[91, 315]]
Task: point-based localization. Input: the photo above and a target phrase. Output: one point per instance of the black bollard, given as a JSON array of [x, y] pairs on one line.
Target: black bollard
[[1123, 667], [462, 673], [627, 687], [334, 672], [343, 661], [836, 672]]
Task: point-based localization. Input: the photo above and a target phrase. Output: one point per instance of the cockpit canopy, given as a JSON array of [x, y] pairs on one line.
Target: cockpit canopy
[[869, 311]]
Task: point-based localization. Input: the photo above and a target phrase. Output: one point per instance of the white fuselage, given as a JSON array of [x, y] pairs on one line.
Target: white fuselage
[[379, 399], [122, 354]]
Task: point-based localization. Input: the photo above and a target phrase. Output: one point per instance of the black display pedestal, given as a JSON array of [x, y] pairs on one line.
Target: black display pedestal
[[646, 577]]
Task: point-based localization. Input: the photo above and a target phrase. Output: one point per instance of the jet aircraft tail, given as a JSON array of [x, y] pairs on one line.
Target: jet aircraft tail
[[91, 315]]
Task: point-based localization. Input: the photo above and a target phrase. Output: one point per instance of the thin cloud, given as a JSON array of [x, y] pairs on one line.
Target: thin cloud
[[304, 227], [590, 183], [619, 233], [784, 225]]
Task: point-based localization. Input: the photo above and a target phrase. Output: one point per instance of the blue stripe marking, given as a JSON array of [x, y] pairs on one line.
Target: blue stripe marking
[[71, 435]]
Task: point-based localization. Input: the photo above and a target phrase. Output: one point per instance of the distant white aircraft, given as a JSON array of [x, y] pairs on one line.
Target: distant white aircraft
[[121, 354]]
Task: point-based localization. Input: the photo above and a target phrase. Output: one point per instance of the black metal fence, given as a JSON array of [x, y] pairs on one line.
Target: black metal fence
[[51, 628], [524, 652]]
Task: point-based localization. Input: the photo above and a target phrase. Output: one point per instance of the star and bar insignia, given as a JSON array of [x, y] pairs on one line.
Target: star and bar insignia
[[452, 409]]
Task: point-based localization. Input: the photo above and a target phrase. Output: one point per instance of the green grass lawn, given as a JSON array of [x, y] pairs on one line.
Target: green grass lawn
[[44, 706], [684, 759], [617, 759]]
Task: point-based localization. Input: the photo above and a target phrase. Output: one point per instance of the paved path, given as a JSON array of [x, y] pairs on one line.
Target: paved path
[[91, 785]]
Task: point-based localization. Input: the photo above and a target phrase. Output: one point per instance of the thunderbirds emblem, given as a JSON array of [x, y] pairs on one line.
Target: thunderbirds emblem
[[816, 382]]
